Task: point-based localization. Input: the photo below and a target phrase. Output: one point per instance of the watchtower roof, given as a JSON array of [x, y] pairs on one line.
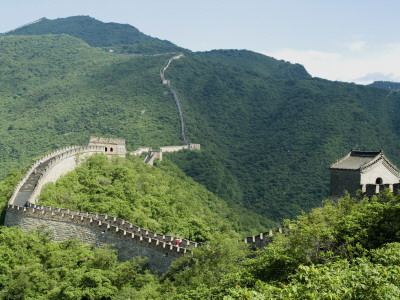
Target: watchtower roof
[[356, 160]]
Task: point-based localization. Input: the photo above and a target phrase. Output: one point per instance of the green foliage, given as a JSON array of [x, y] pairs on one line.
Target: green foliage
[[277, 133], [7, 187], [34, 268], [57, 91], [99, 34], [360, 279], [268, 128], [387, 85], [209, 271], [335, 252], [256, 64], [161, 198]]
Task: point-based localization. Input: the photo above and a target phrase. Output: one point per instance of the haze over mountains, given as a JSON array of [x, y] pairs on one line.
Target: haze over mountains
[[268, 130]]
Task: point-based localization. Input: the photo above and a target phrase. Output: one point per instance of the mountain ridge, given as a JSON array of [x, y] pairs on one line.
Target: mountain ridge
[[268, 130], [93, 32]]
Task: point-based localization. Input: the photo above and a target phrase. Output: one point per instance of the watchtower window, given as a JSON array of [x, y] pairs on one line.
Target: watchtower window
[[379, 180], [105, 149], [111, 149]]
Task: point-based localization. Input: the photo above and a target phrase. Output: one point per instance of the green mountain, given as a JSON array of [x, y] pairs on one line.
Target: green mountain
[[124, 37], [268, 130], [387, 85], [155, 198]]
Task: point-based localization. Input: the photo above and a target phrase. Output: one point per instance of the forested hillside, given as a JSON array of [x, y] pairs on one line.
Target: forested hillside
[[277, 137], [57, 91], [387, 85], [347, 250], [160, 198], [268, 130], [124, 37]]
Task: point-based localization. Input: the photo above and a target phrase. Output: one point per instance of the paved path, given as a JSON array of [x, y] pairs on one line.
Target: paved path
[[29, 186], [175, 94]]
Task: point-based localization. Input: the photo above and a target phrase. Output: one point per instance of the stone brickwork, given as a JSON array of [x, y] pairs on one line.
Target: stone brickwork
[[111, 146], [130, 240], [153, 154], [99, 230], [344, 180], [366, 171], [263, 239]]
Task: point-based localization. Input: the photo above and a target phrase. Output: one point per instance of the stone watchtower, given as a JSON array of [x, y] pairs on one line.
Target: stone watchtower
[[112, 146], [368, 171]]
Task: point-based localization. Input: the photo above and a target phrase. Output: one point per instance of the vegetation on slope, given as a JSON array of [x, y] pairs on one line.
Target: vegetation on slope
[[255, 63], [98, 34], [160, 198], [347, 250], [269, 129], [387, 85], [57, 91], [277, 137], [32, 267]]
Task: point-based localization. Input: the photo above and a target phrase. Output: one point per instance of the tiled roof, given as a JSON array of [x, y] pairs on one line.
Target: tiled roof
[[356, 159]]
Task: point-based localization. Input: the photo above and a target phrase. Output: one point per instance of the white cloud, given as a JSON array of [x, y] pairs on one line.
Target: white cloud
[[356, 46], [381, 63]]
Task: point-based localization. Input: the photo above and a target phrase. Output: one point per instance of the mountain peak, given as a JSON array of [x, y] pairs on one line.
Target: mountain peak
[[94, 32]]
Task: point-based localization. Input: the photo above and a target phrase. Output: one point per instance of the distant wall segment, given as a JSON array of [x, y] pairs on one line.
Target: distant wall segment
[[153, 153]]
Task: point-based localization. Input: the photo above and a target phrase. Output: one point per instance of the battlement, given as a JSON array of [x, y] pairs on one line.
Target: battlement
[[86, 218], [153, 153], [112, 146], [130, 240], [263, 239], [102, 140]]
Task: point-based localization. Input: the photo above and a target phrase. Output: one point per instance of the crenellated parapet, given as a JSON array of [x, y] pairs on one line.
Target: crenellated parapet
[[130, 240], [48, 169], [156, 153], [98, 229], [263, 239], [35, 165]]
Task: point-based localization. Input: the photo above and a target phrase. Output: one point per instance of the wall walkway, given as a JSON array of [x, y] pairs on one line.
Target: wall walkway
[[175, 94], [130, 240]]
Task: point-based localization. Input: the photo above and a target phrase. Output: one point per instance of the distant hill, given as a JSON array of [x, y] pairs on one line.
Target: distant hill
[[256, 63], [387, 85], [98, 34], [268, 130]]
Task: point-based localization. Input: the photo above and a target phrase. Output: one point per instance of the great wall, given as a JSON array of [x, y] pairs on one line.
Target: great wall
[[130, 240], [175, 94]]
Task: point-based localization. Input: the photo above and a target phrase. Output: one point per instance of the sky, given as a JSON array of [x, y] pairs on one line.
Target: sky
[[342, 40]]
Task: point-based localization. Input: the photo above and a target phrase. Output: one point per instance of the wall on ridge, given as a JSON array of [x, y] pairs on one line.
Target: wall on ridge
[[160, 255], [63, 164]]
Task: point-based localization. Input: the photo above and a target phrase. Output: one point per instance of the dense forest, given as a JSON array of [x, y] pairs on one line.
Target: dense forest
[[268, 132], [160, 198], [344, 250], [387, 85]]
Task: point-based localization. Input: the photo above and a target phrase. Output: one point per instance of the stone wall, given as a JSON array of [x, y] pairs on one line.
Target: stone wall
[[344, 180], [44, 158], [128, 239], [111, 146], [263, 239]]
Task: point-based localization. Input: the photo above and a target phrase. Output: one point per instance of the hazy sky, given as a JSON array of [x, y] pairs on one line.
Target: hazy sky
[[346, 40]]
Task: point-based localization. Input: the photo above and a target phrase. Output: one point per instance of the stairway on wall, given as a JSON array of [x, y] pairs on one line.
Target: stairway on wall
[[27, 189]]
